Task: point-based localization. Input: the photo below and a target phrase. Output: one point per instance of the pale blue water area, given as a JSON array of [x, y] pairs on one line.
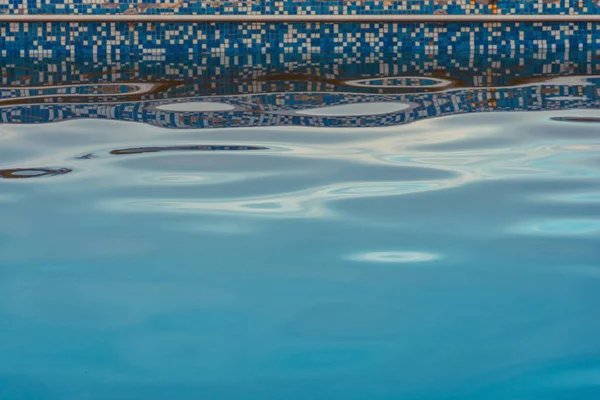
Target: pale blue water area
[[448, 258]]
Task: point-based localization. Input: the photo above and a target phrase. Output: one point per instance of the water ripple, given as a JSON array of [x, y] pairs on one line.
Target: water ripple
[[577, 119], [403, 82], [321, 258], [310, 203], [353, 110], [26, 173], [196, 106], [395, 257], [141, 150], [561, 227]]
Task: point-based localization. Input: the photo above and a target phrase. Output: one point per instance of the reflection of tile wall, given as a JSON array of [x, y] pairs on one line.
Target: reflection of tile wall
[[281, 109], [220, 7], [52, 90], [196, 75], [158, 39]]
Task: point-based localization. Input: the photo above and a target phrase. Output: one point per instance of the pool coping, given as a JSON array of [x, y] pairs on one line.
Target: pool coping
[[334, 18]]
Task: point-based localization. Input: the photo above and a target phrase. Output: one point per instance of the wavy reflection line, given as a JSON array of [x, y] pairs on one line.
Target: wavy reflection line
[[400, 82], [395, 256], [215, 178], [577, 119], [134, 90], [554, 161], [560, 227], [27, 173], [465, 166], [571, 197], [95, 89], [141, 150], [309, 203], [567, 163], [79, 88], [572, 80], [286, 108], [356, 109], [195, 106]]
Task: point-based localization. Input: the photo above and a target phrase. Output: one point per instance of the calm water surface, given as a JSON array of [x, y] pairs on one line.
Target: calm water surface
[[392, 229]]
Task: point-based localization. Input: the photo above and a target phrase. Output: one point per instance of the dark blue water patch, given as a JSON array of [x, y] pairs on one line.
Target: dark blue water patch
[[26, 173], [141, 150]]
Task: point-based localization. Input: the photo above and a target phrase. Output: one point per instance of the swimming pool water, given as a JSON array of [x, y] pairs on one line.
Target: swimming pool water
[[435, 236]]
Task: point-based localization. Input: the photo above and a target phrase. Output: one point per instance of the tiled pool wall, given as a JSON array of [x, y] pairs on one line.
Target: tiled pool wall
[[115, 39], [299, 7], [118, 39]]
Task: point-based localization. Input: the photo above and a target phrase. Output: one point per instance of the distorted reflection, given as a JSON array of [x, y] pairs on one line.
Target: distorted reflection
[[277, 226]]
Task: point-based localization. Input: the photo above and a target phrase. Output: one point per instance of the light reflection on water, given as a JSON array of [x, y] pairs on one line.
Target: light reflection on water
[[449, 258]]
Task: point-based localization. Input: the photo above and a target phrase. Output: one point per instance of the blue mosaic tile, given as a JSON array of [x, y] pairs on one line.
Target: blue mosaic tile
[[294, 7], [157, 39]]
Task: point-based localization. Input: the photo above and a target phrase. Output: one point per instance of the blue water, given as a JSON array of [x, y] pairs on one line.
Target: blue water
[[455, 257]]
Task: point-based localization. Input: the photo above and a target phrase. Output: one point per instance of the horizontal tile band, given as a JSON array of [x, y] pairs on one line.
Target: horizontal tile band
[[383, 18]]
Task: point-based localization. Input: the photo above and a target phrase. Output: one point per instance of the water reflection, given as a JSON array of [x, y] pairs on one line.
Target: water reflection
[[245, 91], [577, 119], [395, 257], [400, 82], [26, 173], [447, 258], [562, 227], [141, 150], [359, 109]]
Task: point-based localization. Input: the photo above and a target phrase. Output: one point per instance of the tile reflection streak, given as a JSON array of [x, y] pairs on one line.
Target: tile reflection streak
[[142, 150], [281, 91]]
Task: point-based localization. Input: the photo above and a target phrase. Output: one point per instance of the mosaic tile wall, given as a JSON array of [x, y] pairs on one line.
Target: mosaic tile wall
[[55, 90], [156, 39], [278, 7]]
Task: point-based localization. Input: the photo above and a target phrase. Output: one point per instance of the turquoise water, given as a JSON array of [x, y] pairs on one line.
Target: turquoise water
[[455, 257]]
